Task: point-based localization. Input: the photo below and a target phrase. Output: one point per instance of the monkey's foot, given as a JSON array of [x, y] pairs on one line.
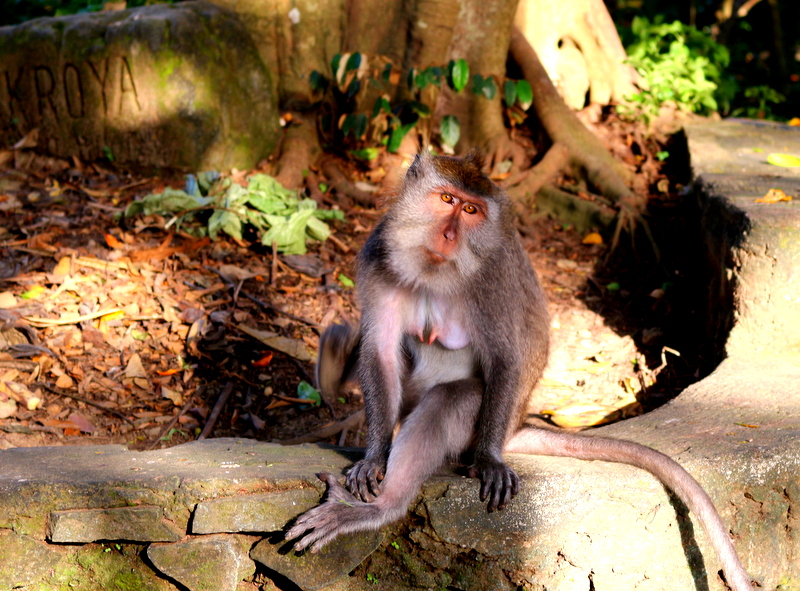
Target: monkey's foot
[[363, 479], [499, 483], [341, 513]]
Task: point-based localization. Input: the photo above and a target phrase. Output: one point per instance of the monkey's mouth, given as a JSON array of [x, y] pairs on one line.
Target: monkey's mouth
[[434, 257]]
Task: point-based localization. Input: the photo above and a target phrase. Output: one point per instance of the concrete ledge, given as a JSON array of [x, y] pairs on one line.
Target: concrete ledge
[[737, 432]]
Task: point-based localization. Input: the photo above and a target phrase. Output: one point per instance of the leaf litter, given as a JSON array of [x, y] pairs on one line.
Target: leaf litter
[[137, 301]]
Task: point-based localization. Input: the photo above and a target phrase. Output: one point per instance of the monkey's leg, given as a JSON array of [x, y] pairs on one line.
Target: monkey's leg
[[438, 429], [667, 470]]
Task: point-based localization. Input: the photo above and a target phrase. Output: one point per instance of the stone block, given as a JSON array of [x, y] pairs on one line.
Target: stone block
[[252, 513], [161, 86], [135, 524], [207, 563]]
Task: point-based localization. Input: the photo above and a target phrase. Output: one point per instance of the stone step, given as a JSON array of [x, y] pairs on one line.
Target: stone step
[[752, 250]]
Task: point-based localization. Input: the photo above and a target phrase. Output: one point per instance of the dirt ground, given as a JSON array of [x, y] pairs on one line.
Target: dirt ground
[[126, 331]]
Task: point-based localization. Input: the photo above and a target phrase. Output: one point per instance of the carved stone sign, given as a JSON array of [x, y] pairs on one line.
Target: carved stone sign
[[166, 86]]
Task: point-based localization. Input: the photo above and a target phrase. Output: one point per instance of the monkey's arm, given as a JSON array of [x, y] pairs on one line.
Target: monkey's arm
[[380, 369], [499, 483]]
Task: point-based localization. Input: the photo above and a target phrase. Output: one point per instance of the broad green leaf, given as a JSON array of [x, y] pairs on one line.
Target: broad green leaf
[[365, 153], [288, 233], [317, 229], [227, 221], [489, 89], [170, 201], [306, 391], [381, 105], [783, 160], [420, 109], [397, 136], [477, 84], [510, 93], [346, 281], [316, 81], [387, 72], [524, 94], [353, 62], [459, 74], [450, 129], [335, 63]]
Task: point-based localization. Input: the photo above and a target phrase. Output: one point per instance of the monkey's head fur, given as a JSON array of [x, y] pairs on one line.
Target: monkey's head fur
[[417, 221]]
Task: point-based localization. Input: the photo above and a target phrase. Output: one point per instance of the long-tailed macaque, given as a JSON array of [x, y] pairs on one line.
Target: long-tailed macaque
[[453, 339]]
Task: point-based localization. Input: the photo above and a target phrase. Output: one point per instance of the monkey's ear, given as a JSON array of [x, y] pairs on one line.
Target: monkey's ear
[[474, 158], [413, 170]]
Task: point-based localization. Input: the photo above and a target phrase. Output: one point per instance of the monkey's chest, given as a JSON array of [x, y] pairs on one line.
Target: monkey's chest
[[432, 321]]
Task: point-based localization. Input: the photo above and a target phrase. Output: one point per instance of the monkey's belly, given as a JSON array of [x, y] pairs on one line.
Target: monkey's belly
[[435, 364]]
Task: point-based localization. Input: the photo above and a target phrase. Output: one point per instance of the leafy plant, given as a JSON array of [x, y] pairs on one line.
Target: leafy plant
[[760, 100], [678, 64], [276, 213], [356, 78]]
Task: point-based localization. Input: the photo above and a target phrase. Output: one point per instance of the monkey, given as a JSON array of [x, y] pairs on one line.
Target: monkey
[[453, 337]]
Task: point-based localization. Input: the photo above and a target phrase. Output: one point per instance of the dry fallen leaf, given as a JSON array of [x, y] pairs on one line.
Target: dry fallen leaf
[[135, 369], [773, 196], [293, 347], [582, 415], [593, 238]]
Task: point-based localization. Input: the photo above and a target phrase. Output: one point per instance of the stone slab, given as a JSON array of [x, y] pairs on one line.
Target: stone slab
[[135, 524], [315, 571], [266, 512], [166, 86], [207, 563], [752, 250]]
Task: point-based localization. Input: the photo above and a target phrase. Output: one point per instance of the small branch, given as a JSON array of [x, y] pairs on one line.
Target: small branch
[[217, 410], [174, 420], [329, 431], [85, 401]]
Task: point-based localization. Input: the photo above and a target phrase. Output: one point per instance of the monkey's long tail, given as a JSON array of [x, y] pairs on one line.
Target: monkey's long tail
[[550, 443]]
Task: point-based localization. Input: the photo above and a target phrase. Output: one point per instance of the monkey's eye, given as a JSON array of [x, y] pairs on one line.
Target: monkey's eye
[[447, 198], [470, 209]]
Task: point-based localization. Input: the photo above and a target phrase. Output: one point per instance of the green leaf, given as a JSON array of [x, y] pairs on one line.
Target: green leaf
[[450, 130], [477, 84], [32, 293], [510, 92], [613, 286], [317, 229], [353, 62], [365, 153], [226, 221], [524, 94], [387, 72], [783, 160], [335, 63], [459, 74], [419, 108], [397, 135], [316, 81], [345, 280], [662, 155], [306, 391], [489, 89], [381, 105], [289, 233]]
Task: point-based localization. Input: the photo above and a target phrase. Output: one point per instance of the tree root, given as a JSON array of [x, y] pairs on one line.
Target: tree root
[[575, 149]]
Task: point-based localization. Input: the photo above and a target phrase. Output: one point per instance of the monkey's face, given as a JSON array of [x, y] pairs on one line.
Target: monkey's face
[[441, 232]]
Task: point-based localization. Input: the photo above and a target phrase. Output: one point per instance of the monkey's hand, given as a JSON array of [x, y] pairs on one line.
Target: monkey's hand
[[363, 479], [341, 513], [499, 483]]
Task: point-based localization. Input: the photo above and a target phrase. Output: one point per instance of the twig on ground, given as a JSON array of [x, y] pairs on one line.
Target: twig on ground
[[327, 431], [119, 415], [216, 411]]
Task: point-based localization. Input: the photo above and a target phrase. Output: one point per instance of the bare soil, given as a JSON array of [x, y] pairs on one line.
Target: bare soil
[[126, 331]]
